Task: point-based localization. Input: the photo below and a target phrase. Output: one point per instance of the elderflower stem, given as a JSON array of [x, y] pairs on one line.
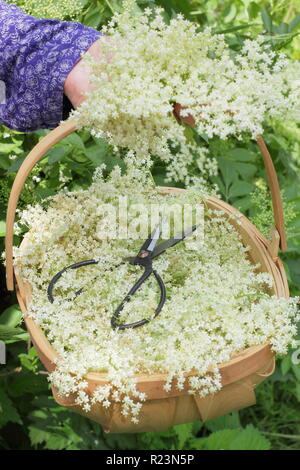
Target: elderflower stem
[[109, 6]]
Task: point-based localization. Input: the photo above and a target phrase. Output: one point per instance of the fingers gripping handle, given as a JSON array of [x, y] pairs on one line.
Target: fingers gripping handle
[[32, 158]]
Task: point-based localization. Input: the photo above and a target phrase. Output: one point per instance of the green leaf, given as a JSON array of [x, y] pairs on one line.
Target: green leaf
[[75, 141], [297, 390], [294, 23], [57, 442], [26, 382], [2, 228], [8, 412], [30, 360], [230, 13], [217, 181], [229, 421], [219, 440], [10, 334], [56, 154], [12, 316], [92, 18], [16, 164], [234, 28], [189, 134], [128, 441], [42, 193], [241, 154], [283, 28], [296, 370], [253, 10], [184, 432], [204, 137], [4, 163], [233, 439], [249, 439], [240, 188], [38, 435], [97, 152], [243, 204], [246, 170], [9, 148], [41, 132], [267, 19], [285, 365], [280, 41], [227, 171]]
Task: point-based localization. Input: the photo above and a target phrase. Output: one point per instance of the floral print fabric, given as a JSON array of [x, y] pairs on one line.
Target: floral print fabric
[[36, 55]]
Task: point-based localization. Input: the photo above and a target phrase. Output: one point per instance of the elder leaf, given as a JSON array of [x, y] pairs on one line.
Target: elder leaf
[[8, 412], [249, 439]]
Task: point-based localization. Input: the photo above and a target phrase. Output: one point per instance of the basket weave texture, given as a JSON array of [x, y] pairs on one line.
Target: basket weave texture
[[163, 409]]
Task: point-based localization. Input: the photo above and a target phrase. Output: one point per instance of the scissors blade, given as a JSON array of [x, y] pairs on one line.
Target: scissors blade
[[153, 238], [173, 241]]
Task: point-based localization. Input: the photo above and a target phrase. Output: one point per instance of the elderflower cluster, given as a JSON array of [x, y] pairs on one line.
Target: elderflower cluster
[[217, 302], [192, 166], [60, 10], [147, 65]]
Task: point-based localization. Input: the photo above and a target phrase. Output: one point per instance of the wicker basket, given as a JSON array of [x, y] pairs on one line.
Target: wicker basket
[[163, 409]]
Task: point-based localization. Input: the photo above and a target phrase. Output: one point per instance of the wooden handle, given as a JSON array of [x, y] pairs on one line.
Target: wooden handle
[[63, 131], [275, 192], [32, 158]]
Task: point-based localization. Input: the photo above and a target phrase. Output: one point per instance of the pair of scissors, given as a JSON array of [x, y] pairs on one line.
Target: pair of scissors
[[148, 251]]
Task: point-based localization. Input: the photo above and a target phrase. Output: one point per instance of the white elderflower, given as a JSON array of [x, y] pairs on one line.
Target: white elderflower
[[148, 65]]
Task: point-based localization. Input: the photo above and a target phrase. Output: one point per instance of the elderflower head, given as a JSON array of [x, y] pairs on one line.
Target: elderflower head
[[217, 302], [51, 8], [148, 65]]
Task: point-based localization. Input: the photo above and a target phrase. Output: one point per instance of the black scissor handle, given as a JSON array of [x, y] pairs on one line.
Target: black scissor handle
[[60, 273], [147, 272]]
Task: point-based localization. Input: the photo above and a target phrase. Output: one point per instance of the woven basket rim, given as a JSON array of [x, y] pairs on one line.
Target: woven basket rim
[[235, 366]]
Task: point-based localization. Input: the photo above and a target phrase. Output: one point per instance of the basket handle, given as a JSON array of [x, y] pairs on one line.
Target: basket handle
[[275, 193], [66, 128]]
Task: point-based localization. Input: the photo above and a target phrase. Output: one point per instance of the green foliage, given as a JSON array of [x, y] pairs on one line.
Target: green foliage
[[233, 439], [29, 417], [9, 332], [261, 213], [177, 437], [8, 412], [62, 10], [237, 168], [11, 316]]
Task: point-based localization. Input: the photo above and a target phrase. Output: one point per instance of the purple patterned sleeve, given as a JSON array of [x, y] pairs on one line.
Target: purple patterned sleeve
[[36, 56]]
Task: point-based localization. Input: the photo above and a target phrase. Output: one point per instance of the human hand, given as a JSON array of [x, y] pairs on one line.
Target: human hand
[[78, 82]]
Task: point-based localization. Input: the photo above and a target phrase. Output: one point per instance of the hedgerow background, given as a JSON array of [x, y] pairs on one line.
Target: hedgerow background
[[29, 417]]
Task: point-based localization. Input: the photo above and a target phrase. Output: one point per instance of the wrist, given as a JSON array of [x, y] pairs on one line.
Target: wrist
[[71, 89]]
